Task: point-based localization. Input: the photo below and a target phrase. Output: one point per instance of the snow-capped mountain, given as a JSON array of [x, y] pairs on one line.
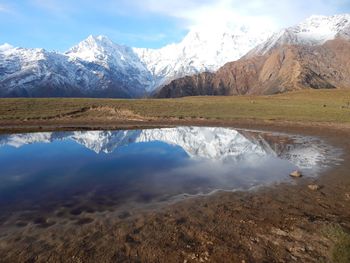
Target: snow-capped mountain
[[313, 54], [22, 70], [198, 142], [201, 50], [315, 30], [102, 51], [97, 67], [5, 47], [36, 72], [94, 68]]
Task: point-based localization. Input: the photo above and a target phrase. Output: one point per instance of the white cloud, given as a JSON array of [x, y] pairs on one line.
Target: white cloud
[[277, 13], [191, 13]]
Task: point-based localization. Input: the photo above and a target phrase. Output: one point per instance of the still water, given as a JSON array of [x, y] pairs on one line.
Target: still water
[[89, 171]]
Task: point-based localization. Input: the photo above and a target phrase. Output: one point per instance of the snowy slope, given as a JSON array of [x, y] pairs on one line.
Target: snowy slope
[[5, 47], [102, 51], [201, 50], [28, 72], [315, 30], [114, 71]]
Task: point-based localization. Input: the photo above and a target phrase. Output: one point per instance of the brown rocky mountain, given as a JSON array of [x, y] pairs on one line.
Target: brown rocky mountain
[[285, 68]]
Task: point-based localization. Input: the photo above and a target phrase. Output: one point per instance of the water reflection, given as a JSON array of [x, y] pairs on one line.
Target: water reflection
[[197, 142], [99, 169]]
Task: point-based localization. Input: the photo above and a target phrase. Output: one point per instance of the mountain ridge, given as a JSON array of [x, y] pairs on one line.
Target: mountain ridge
[[98, 67], [315, 30], [281, 64], [200, 51], [288, 68], [39, 73]]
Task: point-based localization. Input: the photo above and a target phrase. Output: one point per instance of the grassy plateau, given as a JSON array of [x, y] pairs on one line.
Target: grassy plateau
[[311, 106]]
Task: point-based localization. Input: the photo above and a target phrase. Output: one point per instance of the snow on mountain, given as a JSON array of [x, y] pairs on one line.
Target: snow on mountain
[[198, 142], [94, 68], [101, 50], [5, 47], [122, 59], [97, 67], [315, 30], [201, 50], [31, 72]]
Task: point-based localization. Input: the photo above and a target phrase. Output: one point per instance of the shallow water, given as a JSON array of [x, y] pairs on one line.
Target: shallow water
[[85, 172]]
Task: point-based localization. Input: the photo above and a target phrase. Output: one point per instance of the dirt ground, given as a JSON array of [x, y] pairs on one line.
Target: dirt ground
[[62, 124], [284, 223]]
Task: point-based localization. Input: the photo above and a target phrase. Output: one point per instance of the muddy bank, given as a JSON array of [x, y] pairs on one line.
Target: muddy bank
[[62, 124], [284, 223]]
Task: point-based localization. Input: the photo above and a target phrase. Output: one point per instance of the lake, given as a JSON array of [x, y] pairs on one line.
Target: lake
[[68, 174]]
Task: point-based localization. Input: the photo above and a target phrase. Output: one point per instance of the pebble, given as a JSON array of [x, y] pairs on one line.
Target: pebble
[[313, 187], [347, 196], [296, 174]]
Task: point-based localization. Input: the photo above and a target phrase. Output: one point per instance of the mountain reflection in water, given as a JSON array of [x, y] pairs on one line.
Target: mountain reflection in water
[[147, 166]]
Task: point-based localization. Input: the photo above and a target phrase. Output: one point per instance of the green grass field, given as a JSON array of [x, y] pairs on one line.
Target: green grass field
[[305, 106]]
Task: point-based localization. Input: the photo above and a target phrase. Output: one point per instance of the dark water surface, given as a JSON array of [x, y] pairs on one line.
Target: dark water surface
[[91, 171]]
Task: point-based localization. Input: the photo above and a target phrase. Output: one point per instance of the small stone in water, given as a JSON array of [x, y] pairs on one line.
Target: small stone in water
[[296, 174], [313, 187]]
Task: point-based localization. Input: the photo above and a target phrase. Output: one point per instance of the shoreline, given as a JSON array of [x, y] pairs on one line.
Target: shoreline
[[9, 127]]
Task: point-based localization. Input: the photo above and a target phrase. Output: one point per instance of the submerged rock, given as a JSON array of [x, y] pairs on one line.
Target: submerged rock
[[347, 196], [296, 174], [314, 187]]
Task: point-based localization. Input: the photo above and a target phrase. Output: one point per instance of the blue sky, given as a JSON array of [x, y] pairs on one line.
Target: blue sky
[[60, 24]]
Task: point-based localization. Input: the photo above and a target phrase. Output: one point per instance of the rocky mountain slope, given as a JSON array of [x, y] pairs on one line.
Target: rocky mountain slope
[[314, 31], [288, 64]]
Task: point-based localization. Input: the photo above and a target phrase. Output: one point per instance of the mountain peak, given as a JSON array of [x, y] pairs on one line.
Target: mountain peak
[[328, 18], [93, 48], [5, 47], [95, 41], [329, 24], [98, 39], [202, 49], [313, 31], [120, 59]]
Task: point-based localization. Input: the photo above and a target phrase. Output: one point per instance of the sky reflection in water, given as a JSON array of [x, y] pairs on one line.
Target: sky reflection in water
[[144, 166]]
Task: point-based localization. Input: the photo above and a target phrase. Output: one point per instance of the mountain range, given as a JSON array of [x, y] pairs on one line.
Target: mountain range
[[314, 54], [224, 61]]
